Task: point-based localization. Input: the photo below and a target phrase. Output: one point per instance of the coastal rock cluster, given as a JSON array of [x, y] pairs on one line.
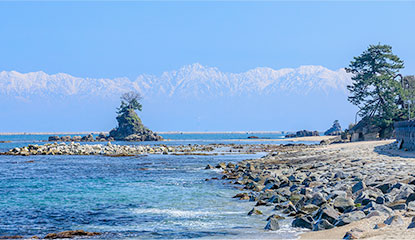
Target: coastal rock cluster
[[88, 138], [109, 149], [303, 133], [326, 187], [84, 149]]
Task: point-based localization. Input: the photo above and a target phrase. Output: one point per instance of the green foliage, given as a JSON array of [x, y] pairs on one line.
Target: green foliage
[[130, 101], [375, 88], [408, 95]]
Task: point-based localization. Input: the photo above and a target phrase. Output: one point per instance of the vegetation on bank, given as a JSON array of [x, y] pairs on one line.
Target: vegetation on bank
[[382, 94]]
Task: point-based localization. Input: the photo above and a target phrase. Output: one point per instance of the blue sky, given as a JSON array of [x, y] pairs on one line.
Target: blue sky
[[113, 39], [125, 39]]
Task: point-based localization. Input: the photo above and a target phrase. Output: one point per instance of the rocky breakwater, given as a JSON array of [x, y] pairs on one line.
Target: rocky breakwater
[[323, 187], [84, 149], [88, 138]]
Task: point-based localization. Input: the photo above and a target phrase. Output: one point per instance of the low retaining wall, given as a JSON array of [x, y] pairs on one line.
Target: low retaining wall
[[405, 132]]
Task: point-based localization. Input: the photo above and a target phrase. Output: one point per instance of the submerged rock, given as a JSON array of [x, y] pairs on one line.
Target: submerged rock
[[71, 234]]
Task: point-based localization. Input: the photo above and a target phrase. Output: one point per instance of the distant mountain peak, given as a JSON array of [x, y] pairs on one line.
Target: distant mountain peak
[[194, 80]]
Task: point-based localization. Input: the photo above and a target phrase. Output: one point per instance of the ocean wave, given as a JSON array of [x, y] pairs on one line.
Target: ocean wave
[[179, 213]]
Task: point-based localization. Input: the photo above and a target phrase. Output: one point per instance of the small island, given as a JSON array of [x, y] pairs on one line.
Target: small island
[[130, 126]]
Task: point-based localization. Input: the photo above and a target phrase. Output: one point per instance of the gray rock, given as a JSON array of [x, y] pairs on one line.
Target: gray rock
[[350, 217], [328, 213], [411, 206], [303, 222], [384, 187], [354, 233], [318, 199], [343, 203], [398, 205], [254, 211], [380, 200], [209, 167], [394, 220], [322, 224], [272, 225], [410, 198], [358, 186], [309, 208]]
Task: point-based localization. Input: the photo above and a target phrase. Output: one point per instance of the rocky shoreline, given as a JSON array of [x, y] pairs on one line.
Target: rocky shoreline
[[109, 149], [329, 186]]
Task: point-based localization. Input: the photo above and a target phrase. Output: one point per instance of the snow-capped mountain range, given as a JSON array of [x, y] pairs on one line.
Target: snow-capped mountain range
[[192, 80]]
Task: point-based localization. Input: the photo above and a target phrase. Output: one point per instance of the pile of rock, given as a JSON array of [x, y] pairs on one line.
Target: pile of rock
[[88, 138], [322, 188], [303, 133], [83, 149]]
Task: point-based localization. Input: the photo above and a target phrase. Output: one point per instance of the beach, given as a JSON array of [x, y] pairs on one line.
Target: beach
[[356, 186]]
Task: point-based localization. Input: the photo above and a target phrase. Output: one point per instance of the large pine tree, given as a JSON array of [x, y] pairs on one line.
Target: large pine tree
[[376, 87]]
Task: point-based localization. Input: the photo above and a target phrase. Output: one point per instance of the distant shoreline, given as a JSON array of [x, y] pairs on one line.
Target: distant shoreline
[[172, 132]]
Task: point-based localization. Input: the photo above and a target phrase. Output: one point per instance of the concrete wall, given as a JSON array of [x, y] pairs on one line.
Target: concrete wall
[[405, 130]]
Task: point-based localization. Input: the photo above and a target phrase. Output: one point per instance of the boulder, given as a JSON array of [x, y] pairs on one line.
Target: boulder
[[54, 138], [209, 167], [411, 206], [272, 225], [349, 217], [358, 186], [354, 233], [309, 208], [318, 199], [254, 211], [343, 203], [394, 220], [76, 139], [88, 138], [276, 216], [328, 213], [303, 222], [322, 224]]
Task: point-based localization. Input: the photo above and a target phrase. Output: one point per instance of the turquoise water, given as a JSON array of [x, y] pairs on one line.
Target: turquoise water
[[143, 197]]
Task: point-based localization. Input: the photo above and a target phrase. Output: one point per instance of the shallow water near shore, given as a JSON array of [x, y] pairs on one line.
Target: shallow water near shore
[[142, 197]]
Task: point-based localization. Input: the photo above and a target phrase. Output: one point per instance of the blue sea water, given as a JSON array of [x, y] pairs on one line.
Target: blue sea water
[[142, 197]]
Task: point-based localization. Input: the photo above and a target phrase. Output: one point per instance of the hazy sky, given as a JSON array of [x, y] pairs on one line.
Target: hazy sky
[[113, 39]]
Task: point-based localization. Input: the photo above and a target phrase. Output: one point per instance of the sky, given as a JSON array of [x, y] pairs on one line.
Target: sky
[[125, 39]]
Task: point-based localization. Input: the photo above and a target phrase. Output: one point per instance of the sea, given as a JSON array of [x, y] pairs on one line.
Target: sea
[[140, 197]]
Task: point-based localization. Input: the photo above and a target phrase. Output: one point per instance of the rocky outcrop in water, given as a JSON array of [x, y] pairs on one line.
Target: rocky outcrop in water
[[71, 234], [130, 127], [335, 130], [303, 133]]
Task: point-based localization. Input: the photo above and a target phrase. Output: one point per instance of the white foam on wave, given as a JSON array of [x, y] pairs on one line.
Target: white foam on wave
[[179, 213]]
